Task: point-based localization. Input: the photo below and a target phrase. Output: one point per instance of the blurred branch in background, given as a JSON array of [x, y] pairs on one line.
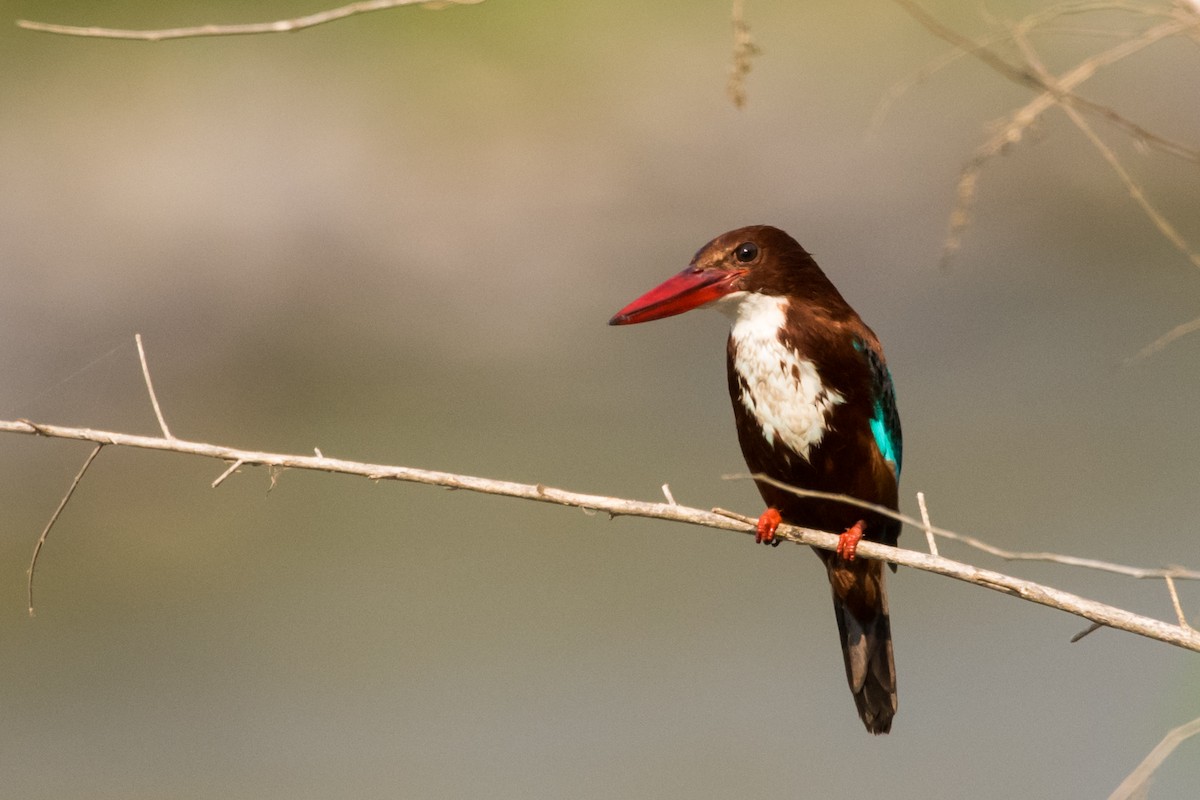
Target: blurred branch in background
[[278, 26], [1179, 19], [744, 51], [1136, 784], [1178, 332]]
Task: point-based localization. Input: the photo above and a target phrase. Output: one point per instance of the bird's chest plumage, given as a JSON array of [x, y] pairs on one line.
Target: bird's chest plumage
[[806, 412], [776, 389]]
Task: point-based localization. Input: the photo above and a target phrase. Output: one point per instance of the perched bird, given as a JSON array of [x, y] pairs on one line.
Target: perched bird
[[815, 409]]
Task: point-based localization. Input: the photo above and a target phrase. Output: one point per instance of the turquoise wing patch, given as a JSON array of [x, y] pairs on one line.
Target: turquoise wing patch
[[888, 443], [885, 420]]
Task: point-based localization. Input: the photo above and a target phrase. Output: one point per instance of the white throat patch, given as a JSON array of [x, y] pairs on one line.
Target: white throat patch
[[780, 388]]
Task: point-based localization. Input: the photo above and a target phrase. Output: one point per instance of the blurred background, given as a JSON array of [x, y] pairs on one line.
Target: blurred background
[[398, 238]]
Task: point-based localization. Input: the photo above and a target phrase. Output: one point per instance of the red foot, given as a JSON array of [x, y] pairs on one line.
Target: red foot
[[848, 541], [764, 533]]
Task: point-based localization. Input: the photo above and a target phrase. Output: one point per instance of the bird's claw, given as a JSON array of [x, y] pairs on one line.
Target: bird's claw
[[847, 544], [764, 531]]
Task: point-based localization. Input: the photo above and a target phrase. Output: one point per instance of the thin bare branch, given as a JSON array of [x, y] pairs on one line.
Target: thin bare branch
[[234, 467], [964, 46], [278, 26], [1142, 573], [1179, 573], [933, 548], [1178, 332], [742, 518], [37, 548], [1160, 222], [904, 85], [1061, 91], [1086, 69], [1183, 622], [1036, 593], [1135, 190], [162, 422], [1135, 784]]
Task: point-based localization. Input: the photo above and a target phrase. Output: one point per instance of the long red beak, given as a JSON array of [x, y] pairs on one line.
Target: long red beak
[[689, 289]]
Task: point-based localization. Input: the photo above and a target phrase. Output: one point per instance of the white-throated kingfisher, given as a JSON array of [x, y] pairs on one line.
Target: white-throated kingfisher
[[815, 409]]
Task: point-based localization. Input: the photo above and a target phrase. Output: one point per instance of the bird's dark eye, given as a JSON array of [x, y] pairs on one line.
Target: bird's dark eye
[[746, 252]]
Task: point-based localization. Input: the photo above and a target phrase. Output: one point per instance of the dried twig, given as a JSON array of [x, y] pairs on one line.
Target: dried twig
[[1168, 574], [234, 467], [615, 506], [37, 548], [983, 49], [278, 26], [1060, 91], [929, 535], [1178, 332], [162, 422], [1179, 573], [1135, 784], [1171, 590], [1135, 191]]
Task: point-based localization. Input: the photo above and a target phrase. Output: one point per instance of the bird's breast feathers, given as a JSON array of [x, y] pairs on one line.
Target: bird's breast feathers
[[780, 388]]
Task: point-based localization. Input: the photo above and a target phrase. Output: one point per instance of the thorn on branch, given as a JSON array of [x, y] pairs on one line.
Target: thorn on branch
[[1095, 626], [232, 469]]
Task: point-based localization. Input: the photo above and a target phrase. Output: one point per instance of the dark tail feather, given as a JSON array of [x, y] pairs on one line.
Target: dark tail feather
[[867, 649]]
